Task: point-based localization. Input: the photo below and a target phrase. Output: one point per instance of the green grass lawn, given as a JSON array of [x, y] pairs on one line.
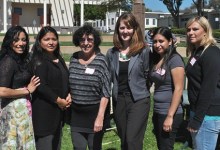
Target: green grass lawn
[[111, 140]]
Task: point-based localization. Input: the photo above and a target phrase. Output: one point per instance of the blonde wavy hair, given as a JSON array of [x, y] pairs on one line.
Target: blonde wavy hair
[[207, 40]]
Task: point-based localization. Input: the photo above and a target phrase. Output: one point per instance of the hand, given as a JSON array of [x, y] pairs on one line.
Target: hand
[[98, 126], [69, 100], [62, 103], [34, 83], [167, 125], [191, 130]]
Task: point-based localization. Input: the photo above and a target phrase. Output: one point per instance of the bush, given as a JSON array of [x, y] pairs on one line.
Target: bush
[[216, 34], [179, 31]]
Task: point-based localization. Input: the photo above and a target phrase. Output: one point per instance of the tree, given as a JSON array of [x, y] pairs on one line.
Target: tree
[[199, 6], [113, 5], [92, 12], [174, 7], [215, 4]]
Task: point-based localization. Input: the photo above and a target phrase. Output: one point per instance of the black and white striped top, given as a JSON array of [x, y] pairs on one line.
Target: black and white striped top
[[89, 88]]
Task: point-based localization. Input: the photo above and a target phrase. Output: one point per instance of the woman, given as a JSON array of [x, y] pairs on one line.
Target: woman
[[51, 97], [16, 85], [203, 84], [129, 65], [90, 90], [167, 73]]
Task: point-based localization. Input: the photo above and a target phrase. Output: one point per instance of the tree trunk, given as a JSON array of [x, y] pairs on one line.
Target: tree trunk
[[139, 13]]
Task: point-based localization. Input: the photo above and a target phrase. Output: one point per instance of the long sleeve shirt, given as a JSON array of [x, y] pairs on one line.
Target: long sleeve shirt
[[203, 72]]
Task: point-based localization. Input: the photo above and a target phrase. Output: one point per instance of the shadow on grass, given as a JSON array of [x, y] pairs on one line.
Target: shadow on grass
[[111, 149]]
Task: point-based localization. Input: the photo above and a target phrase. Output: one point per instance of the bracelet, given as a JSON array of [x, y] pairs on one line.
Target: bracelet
[[28, 91]]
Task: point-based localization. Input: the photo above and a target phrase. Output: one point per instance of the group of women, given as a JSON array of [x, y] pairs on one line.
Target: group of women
[[40, 89]]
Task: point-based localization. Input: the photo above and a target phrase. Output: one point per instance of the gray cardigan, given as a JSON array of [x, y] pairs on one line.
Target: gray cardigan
[[138, 70]]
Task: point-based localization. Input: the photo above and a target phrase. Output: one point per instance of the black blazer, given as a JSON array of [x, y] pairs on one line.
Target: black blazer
[[138, 70], [47, 116]]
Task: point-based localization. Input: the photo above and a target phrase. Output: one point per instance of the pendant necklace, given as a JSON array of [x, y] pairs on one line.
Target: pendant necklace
[[123, 56]]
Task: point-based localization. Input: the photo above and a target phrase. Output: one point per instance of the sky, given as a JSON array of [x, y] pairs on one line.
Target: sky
[[156, 5]]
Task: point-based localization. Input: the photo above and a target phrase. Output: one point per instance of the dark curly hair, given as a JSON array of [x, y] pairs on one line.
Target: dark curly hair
[[87, 30], [37, 49], [11, 35]]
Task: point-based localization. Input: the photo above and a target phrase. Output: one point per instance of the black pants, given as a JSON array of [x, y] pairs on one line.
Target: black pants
[[131, 121], [81, 140], [165, 140], [49, 142]]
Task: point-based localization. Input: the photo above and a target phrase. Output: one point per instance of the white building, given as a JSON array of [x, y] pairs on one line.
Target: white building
[[30, 14], [151, 20]]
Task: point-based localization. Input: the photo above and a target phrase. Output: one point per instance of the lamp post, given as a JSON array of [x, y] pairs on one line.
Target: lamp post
[[5, 15], [107, 13], [82, 13], [218, 12], [45, 13]]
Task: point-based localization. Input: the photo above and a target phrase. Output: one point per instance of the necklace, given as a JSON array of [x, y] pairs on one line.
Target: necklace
[[86, 62], [123, 56]]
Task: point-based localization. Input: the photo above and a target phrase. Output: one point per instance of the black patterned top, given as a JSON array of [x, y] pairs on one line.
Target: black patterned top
[[14, 73], [89, 83]]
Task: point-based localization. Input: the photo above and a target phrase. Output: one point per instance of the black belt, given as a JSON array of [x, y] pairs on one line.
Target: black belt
[[124, 93]]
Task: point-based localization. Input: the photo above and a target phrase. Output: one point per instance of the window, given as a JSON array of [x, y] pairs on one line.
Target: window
[[104, 22], [146, 21], [154, 21], [18, 10], [40, 12], [113, 21], [100, 23]]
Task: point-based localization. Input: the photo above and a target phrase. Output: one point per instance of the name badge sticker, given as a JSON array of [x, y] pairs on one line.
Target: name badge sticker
[[161, 71], [192, 61], [89, 70]]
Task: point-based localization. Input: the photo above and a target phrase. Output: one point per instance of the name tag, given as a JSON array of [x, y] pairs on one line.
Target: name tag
[[161, 71], [192, 61], [89, 70]]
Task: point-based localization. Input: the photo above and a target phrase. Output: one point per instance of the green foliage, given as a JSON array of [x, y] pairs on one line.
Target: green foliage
[[91, 12], [148, 9], [216, 34], [174, 7], [217, 30], [179, 31], [214, 4], [66, 57], [113, 5]]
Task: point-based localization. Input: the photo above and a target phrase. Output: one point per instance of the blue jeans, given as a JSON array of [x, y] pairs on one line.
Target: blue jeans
[[207, 135]]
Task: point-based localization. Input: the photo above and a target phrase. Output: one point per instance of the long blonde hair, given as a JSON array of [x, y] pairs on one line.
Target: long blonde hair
[[207, 40]]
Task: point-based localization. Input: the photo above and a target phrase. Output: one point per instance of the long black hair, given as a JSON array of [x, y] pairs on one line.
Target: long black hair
[[12, 35], [155, 57], [37, 49]]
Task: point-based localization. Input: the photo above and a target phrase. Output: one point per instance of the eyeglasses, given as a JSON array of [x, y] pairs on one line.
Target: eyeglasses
[[89, 40]]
